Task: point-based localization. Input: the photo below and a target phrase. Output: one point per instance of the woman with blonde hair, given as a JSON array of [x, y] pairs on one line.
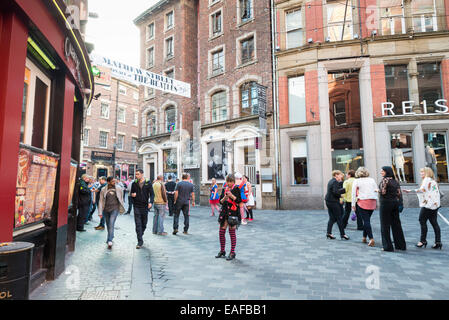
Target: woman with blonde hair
[[364, 201], [429, 201], [334, 208]]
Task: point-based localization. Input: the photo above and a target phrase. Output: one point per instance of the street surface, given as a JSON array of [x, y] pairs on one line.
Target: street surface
[[280, 255]]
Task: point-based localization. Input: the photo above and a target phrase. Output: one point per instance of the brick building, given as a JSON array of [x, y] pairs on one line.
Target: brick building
[[168, 46], [112, 118], [364, 84]]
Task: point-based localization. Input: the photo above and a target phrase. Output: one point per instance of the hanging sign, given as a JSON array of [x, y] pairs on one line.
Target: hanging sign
[[142, 77]]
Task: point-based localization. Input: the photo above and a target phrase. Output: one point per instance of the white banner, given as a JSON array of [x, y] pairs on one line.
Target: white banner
[[142, 77]]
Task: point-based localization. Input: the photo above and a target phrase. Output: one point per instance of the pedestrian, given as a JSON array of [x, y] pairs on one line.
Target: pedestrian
[[251, 203], [229, 216], [170, 186], [364, 200], [110, 205], [160, 201], [347, 196], [429, 201], [95, 192], [335, 209], [214, 198], [103, 183], [143, 198], [240, 182], [84, 201], [183, 194], [130, 199], [391, 204]]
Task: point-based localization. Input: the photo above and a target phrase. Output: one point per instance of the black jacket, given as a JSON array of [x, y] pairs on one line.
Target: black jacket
[[84, 193], [144, 195], [170, 187], [334, 190], [226, 207]]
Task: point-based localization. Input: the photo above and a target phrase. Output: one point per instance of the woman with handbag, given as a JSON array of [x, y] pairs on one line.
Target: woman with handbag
[[364, 201], [335, 209], [230, 199], [391, 202], [429, 201], [110, 205], [214, 199]]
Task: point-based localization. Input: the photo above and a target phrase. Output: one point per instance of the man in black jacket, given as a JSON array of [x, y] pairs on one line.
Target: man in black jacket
[[170, 187], [84, 200], [143, 197]]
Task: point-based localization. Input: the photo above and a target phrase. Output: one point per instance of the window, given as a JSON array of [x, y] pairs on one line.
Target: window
[[170, 73], [298, 150], [103, 139], [402, 157], [219, 108], [136, 95], [148, 92], [296, 100], [245, 10], [151, 123], [216, 23], [89, 110], [392, 17], [249, 99], [150, 57], [247, 50], [336, 20], [120, 141], [170, 119], [150, 31], [134, 144], [396, 83], [429, 84], [169, 20], [217, 62], [436, 155], [122, 90], [170, 161], [424, 15], [340, 113], [169, 47], [136, 118], [104, 110], [86, 137], [121, 114], [217, 162], [293, 27]]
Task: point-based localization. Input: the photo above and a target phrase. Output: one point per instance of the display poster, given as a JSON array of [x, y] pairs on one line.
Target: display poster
[[73, 168], [36, 179]]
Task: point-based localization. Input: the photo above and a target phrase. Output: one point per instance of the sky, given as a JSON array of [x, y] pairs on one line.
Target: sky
[[113, 33]]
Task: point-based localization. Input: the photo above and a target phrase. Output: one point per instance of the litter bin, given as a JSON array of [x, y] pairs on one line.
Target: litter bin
[[15, 270]]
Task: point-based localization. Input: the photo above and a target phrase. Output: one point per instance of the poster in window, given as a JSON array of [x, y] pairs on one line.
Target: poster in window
[[217, 161], [73, 168]]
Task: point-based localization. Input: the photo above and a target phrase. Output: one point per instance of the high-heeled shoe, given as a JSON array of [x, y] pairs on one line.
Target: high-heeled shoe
[[231, 257], [437, 245], [345, 237], [371, 243], [221, 254], [329, 236], [421, 244]]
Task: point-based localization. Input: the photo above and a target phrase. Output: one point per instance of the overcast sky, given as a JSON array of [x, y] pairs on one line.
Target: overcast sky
[[114, 33]]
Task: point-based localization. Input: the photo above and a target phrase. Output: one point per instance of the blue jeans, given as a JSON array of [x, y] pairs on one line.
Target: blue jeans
[[110, 218], [158, 219]]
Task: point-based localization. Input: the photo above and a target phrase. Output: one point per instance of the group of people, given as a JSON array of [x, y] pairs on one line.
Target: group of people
[[359, 194], [143, 195]]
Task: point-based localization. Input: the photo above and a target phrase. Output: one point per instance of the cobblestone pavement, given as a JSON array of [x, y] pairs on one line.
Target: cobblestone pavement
[[280, 255]]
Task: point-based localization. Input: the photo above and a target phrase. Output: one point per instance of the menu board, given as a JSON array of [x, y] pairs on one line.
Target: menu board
[[73, 169], [36, 179]]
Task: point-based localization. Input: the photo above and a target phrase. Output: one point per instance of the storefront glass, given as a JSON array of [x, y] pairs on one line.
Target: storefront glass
[[170, 162], [345, 121], [298, 149], [396, 82], [429, 84], [402, 157], [436, 155], [217, 162]]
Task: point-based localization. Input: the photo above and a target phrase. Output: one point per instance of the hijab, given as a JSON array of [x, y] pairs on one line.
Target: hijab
[[388, 172]]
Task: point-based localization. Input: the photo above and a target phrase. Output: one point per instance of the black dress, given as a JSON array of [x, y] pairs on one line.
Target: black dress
[[334, 208], [228, 208]]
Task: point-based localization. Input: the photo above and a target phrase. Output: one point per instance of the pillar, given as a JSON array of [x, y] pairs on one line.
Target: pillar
[[413, 88]]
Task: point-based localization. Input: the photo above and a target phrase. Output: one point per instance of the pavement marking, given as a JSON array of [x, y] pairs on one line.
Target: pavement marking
[[442, 217], [100, 295]]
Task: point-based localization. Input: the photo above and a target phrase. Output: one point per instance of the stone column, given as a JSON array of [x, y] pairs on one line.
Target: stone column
[[413, 89], [419, 156]]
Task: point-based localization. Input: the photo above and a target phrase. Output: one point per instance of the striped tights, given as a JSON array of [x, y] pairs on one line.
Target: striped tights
[[222, 234]]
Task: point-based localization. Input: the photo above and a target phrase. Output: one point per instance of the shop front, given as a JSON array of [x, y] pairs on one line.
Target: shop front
[[45, 84]]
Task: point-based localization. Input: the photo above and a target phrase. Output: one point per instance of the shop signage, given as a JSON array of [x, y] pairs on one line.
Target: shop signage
[[143, 77], [407, 108], [70, 53], [102, 156]]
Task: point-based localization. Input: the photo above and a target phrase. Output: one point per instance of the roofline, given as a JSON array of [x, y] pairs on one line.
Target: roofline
[[150, 11]]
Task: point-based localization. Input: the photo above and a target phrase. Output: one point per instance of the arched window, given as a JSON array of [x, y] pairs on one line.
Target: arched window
[[249, 99], [170, 119], [151, 123], [219, 108]]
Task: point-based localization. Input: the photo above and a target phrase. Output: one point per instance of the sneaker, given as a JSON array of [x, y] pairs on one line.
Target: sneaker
[[139, 245], [185, 232], [162, 233], [244, 221], [250, 219], [110, 245], [81, 230], [99, 228]]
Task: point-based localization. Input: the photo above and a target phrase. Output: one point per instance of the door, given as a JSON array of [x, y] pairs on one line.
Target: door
[[102, 172], [152, 177]]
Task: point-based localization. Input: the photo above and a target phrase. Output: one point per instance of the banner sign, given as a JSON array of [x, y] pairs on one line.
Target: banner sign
[[102, 156], [142, 77]]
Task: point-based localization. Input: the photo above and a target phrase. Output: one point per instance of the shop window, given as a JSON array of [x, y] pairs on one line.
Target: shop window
[[218, 62], [120, 142], [424, 15], [219, 108], [170, 161], [103, 139], [170, 119], [396, 83], [151, 123], [26, 87], [298, 150], [132, 170], [296, 100], [249, 99], [402, 157], [247, 50], [293, 27], [429, 84], [336, 20], [217, 162], [392, 17], [436, 155]]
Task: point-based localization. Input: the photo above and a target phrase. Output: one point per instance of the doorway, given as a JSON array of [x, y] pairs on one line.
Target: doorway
[[102, 172]]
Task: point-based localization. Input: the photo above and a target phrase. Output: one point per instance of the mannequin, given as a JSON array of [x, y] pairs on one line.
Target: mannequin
[[431, 160], [398, 162]]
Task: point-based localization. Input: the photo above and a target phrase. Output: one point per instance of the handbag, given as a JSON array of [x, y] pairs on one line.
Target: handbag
[[233, 220], [353, 216]]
